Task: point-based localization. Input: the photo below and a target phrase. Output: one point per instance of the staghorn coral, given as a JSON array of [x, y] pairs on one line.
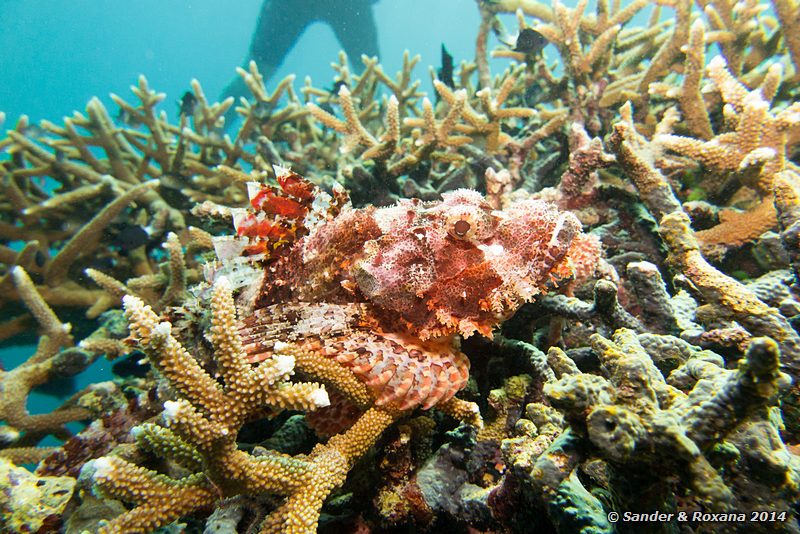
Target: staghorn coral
[[204, 422], [71, 184], [55, 356], [412, 138], [599, 56], [755, 149], [786, 9]]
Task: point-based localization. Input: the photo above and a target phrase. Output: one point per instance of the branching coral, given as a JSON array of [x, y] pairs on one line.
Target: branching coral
[[68, 186], [787, 12], [204, 422], [753, 150], [722, 291], [411, 137], [758, 137], [601, 60], [54, 357]]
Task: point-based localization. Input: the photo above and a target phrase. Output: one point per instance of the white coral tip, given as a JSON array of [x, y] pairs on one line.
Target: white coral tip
[[717, 62], [163, 329], [171, 409], [280, 346], [129, 300], [320, 398], [222, 282], [284, 364], [103, 468]]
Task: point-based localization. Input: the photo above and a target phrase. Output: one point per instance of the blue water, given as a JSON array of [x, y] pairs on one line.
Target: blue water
[[56, 55]]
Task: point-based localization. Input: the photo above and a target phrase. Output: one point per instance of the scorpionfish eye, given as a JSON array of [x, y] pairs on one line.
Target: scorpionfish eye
[[469, 224], [465, 215], [461, 227]]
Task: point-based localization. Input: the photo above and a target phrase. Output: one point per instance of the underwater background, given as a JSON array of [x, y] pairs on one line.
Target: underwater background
[[72, 51], [58, 57], [534, 267]]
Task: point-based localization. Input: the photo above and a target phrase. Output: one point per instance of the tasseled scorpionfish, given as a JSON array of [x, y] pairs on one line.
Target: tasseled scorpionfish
[[387, 292]]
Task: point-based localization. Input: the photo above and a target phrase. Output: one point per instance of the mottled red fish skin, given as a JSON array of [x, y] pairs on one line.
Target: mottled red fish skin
[[424, 273]]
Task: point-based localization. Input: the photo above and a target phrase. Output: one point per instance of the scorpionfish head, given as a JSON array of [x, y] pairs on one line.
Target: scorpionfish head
[[459, 267]]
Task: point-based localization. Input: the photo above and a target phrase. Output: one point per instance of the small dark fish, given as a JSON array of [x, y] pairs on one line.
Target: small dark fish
[[187, 103], [124, 117], [445, 74], [533, 95], [327, 107], [131, 237], [530, 42], [34, 130], [18, 159], [134, 365], [40, 258], [263, 110], [338, 85], [102, 264]]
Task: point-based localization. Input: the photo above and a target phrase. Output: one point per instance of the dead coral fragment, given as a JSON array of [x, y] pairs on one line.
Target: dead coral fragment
[[30, 503]]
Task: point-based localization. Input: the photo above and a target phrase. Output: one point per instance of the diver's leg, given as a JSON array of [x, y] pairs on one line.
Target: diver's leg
[[353, 23], [280, 24]]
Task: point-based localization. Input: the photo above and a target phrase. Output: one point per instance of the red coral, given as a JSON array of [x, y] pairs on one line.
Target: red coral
[[279, 215]]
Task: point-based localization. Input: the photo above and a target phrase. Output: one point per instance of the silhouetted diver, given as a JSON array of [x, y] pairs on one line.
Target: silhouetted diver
[[282, 22]]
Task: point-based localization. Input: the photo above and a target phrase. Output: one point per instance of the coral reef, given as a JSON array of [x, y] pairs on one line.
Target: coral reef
[[531, 300]]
